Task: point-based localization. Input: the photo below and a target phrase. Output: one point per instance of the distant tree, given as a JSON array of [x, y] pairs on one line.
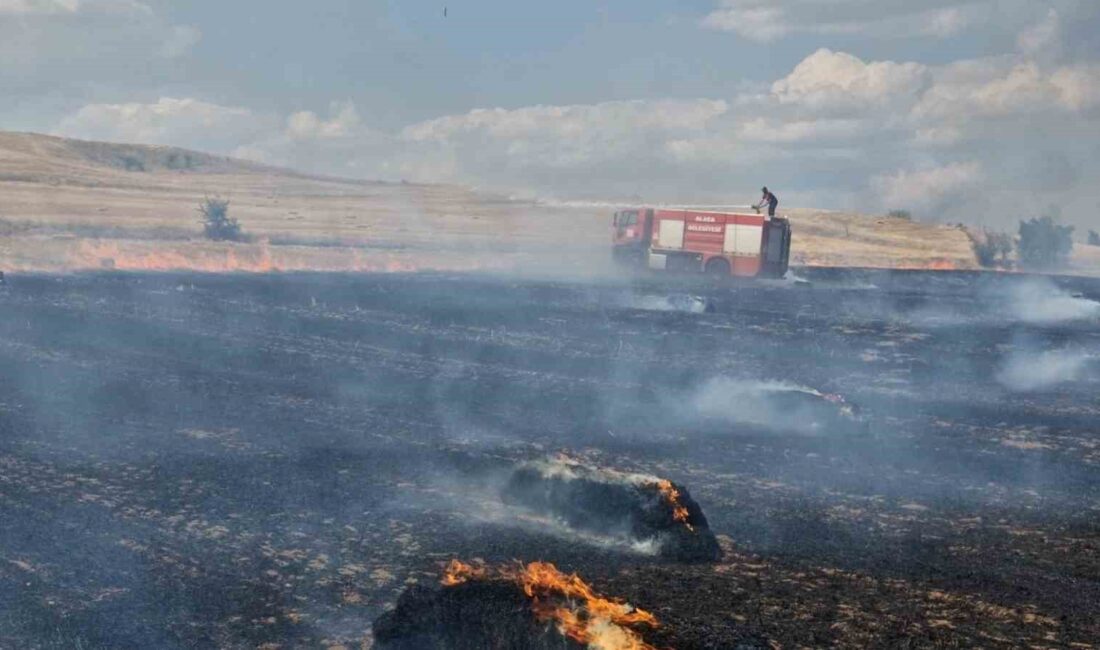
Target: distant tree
[[1003, 245], [993, 248], [900, 214], [1094, 238], [1044, 244], [984, 252], [216, 222]]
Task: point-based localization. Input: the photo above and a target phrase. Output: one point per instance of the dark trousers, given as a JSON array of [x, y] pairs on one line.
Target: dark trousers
[[771, 209]]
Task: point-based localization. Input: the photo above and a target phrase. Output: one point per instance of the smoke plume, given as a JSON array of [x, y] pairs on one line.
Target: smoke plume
[[770, 404], [1029, 371], [1041, 302]]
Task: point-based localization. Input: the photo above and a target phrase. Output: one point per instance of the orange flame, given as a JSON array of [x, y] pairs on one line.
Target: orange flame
[[458, 572], [672, 497], [220, 257], [942, 265], [579, 612]]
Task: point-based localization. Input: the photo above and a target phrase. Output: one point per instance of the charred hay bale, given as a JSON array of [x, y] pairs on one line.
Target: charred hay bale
[[646, 510], [471, 616]]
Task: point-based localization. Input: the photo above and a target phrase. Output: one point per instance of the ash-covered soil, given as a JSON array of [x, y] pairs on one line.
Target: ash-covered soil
[[889, 459]]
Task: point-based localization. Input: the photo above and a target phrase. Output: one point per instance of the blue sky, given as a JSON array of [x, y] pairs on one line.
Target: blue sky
[[403, 61], [955, 109]]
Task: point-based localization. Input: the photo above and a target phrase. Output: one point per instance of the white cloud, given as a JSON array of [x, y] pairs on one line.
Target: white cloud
[[828, 79], [1042, 36], [769, 20], [1008, 87], [1078, 87], [567, 136], [758, 23], [336, 144], [938, 135], [339, 144], [307, 125], [71, 7], [988, 136], [46, 45], [797, 131], [944, 23], [169, 120], [714, 148], [38, 7], [1023, 88], [929, 189], [579, 122], [179, 41]]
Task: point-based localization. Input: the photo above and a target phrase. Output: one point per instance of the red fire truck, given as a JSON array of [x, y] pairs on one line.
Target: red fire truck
[[718, 243]]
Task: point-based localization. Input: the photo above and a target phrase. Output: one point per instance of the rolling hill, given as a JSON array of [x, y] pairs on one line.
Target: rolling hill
[[75, 205]]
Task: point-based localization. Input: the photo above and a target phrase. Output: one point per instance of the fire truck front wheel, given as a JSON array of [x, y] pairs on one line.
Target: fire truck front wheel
[[717, 267]]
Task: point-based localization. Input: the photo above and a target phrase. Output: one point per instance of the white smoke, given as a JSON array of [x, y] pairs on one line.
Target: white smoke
[[1033, 301], [1041, 302], [675, 302], [476, 501], [1028, 371], [771, 404], [568, 469], [621, 540]]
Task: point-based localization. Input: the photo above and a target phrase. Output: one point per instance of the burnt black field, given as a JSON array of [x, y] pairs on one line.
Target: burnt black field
[[193, 461]]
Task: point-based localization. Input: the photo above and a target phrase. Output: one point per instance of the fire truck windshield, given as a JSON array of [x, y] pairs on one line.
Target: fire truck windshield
[[624, 219]]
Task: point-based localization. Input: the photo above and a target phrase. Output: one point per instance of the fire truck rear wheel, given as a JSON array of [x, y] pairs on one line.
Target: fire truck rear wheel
[[718, 267]]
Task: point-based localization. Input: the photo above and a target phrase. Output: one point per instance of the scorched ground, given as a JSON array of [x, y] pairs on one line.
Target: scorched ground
[[269, 461]]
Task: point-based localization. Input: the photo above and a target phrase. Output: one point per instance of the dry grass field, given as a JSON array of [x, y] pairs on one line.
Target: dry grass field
[[72, 205]]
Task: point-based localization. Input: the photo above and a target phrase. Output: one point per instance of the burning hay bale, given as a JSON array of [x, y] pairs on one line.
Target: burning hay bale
[[646, 511], [531, 606]]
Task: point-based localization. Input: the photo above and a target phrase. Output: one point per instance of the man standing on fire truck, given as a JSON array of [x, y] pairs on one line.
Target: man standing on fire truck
[[769, 200]]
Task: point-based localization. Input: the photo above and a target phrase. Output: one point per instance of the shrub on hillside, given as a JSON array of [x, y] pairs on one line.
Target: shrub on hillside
[[1094, 238], [900, 214], [216, 222], [1044, 244]]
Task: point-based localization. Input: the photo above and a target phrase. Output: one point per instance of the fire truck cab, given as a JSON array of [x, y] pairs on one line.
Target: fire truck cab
[[702, 241]]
